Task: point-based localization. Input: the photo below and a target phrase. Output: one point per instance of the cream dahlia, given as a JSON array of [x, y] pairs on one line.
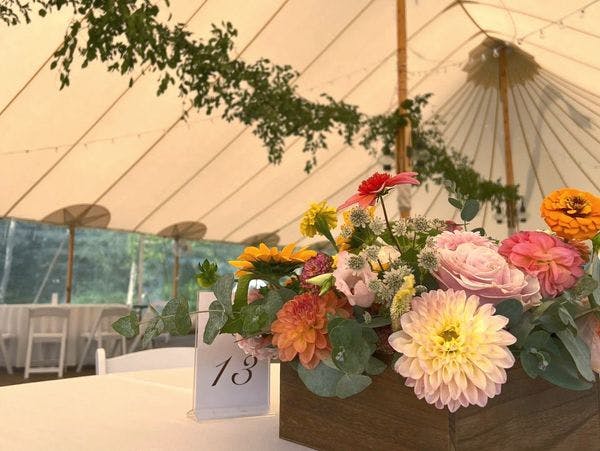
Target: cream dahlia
[[454, 351]]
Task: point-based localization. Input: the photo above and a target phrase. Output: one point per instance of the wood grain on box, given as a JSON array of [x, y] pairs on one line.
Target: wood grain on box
[[528, 414]]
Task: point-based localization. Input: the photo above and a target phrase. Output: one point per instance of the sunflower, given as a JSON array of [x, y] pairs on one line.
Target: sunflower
[[572, 214], [268, 262]]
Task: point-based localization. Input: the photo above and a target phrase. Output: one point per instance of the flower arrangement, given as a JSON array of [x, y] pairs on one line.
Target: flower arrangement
[[450, 309]]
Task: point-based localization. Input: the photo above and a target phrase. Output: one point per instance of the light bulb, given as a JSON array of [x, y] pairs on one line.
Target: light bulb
[[498, 216], [387, 162]]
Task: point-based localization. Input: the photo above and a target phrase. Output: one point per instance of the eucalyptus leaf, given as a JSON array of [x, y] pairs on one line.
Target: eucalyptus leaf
[[258, 316], [223, 290], [128, 326], [455, 203], [529, 362], [322, 380], [352, 346], [579, 352], [470, 210], [241, 292], [511, 309], [154, 328], [176, 317], [562, 370], [351, 384], [375, 366], [217, 318], [378, 321]]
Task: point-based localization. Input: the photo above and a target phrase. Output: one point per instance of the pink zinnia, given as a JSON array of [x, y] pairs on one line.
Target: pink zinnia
[[374, 186], [556, 264]]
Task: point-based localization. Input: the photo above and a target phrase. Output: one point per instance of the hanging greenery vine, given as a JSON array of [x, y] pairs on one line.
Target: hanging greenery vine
[[128, 37]]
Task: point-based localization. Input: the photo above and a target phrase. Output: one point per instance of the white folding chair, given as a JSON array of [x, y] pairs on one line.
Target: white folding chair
[[151, 359], [37, 314], [5, 339], [102, 332]]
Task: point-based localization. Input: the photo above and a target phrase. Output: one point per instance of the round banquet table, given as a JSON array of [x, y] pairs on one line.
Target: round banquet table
[[146, 410]]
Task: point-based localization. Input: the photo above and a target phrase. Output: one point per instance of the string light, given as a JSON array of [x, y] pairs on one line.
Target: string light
[[85, 144]]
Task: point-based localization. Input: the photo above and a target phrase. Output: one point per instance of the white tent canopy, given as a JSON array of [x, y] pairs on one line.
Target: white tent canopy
[[99, 142]]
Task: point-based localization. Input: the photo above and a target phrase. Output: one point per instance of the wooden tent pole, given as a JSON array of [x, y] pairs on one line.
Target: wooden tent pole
[[402, 137], [511, 208], [175, 269], [70, 263]]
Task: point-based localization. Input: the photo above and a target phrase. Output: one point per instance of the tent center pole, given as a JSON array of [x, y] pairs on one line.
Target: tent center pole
[[70, 263], [403, 134], [175, 268], [511, 208]]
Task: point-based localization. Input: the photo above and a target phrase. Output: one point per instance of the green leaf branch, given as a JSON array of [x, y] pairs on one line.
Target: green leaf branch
[[130, 38]]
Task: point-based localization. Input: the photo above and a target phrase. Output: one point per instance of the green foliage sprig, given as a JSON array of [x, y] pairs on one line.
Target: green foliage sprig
[[129, 37], [548, 344]]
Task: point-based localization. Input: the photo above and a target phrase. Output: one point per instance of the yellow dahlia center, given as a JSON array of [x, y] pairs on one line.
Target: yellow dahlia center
[[450, 339]]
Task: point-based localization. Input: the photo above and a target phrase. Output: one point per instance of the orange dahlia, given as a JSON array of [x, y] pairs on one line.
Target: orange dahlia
[[301, 327], [572, 214]]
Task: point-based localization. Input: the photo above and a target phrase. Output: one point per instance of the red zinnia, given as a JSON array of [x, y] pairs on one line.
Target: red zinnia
[[371, 188]]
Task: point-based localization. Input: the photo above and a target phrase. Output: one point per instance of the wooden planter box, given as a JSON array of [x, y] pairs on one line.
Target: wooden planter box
[[528, 414]]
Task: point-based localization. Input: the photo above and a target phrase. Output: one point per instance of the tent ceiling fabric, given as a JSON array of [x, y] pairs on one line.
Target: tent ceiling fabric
[[100, 143]]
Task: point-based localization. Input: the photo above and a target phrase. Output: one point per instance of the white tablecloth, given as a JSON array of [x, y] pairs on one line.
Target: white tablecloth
[[14, 318], [128, 411]]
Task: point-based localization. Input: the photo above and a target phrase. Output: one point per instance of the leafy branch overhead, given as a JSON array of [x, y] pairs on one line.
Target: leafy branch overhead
[[130, 38]]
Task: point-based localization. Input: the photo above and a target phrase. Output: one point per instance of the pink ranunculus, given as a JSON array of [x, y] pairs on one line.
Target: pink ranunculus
[[556, 264], [254, 295], [354, 283], [480, 270], [451, 240], [259, 347], [589, 331]]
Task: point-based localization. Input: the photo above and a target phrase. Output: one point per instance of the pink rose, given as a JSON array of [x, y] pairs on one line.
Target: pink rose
[[556, 264], [482, 271], [589, 331], [354, 283], [451, 240]]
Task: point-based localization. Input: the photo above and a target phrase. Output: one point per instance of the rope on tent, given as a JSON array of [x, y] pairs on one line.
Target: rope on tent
[[446, 58], [493, 158], [247, 128], [548, 107], [540, 139], [90, 128], [560, 141], [570, 91], [470, 130]]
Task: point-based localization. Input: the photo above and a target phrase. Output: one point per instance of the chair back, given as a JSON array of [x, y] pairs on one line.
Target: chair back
[[151, 359], [106, 316], [37, 312]]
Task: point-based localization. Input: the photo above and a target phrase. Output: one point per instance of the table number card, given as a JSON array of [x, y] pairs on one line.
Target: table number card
[[228, 383]]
